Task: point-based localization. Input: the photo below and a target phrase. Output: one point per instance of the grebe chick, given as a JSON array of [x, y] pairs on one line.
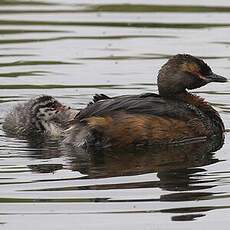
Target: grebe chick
[[40, 116], [175, 116]]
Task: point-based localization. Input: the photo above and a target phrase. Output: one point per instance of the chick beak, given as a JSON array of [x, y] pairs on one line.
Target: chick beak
[[61, 108], [215, 78]]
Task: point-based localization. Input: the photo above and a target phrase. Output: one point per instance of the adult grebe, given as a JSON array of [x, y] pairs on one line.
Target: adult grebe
[[174, 116]]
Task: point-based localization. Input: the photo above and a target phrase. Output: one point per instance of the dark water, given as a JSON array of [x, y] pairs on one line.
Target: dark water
[[74, 49]]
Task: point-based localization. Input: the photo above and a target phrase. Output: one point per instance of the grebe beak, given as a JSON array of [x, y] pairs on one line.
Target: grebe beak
[[61, 108], [215, 78]]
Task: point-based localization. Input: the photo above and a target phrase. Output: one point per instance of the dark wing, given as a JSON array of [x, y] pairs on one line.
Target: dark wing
[[99, 97], [151, 104]]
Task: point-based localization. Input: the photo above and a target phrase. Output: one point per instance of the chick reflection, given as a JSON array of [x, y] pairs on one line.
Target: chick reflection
[[41, 148], [161, 159]]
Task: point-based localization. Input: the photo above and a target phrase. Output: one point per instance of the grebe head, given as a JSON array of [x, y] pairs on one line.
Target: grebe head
[[184, 71], [46, 109]]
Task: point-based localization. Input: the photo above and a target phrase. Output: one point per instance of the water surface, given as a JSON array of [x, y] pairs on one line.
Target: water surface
[[74, 49]]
